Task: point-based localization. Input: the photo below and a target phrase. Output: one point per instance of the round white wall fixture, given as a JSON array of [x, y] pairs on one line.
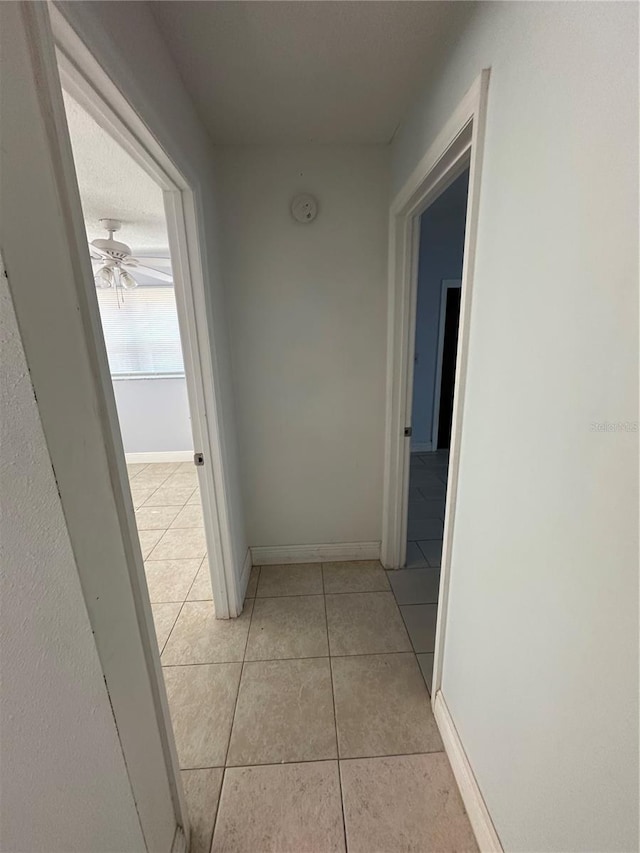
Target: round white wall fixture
[[304, 208]]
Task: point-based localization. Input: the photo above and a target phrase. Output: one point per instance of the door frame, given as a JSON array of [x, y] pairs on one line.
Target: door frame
[[80, 73], [86, 81], [458, 146], [446, 285]]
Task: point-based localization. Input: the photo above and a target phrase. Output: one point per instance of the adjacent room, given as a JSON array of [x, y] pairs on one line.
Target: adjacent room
[[441, 249], [136, 300]]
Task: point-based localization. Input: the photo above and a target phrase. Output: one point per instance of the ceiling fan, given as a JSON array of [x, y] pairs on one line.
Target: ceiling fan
[[114, 260]]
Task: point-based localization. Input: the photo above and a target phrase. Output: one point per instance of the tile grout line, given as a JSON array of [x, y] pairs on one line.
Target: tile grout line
[[172, 630], [317, 594], [244, 654], [304, 657], [131, 477], [183, 602], [415, 653], [194, 580], [153, 492], [233, 716], [320, 760], [335, 715]]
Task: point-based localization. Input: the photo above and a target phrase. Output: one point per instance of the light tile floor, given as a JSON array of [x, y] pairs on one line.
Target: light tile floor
[[416, 587], [305, 724], [427, 491]]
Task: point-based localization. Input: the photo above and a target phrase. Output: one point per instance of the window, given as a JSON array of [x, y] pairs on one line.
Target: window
[[141, 331]]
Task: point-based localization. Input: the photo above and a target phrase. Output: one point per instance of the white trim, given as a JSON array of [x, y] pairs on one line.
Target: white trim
[[459, 145], [446, 285], [421, 447], [334, 552], [474, 803], [160, 456]]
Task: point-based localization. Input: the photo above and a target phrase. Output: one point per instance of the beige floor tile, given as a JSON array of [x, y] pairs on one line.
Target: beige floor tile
[[134, 468], [155, 517], [284, 713], [202, 790], [365, 623], [201, 589], [151, 477], [404, 803], [181, 544], [170, 580], [294, 579], [165, 468], [201, 702], [360, 576], [198, 637], [252, 586], [295, 808], [195, 498], [288, 627], [164, 618], [140, 494], [189, 516], [148, 541], [382, 706], [182, 479], [170, 496]]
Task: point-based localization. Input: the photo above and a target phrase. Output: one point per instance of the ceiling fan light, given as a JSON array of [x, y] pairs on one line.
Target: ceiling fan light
[[104, 277], [127, 280]]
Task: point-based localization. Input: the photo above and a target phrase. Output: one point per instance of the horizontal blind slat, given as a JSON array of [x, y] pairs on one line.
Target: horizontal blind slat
[[141, 330]]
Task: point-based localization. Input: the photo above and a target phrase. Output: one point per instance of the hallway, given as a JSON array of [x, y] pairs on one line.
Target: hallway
[[305, 724]]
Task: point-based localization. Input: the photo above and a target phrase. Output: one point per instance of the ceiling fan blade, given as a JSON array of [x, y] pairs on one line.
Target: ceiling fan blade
[[97, 254], [153, 259], [161, 276]]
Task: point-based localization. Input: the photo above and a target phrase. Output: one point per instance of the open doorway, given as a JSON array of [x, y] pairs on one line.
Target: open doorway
[[152, 354], [124, 217], [422, 449], [440, 256]]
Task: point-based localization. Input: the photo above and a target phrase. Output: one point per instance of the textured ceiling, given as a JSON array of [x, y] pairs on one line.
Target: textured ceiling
[[113, 186], [305, 72]]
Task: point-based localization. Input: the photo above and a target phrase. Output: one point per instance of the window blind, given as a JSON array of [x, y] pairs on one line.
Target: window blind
[[141, 331]]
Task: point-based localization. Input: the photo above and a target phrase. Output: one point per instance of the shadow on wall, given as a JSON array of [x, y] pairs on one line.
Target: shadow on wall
[[441, 249]]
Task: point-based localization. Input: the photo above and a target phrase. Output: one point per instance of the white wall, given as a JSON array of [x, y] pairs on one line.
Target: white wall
[[60, 749], [153, 414], [144, 71], [541, 656], [307, 311]]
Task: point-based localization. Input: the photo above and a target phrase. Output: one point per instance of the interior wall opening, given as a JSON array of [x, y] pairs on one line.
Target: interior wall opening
[[136, 299], [440, 258]]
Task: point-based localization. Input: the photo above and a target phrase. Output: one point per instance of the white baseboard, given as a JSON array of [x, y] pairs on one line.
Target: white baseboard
[[160, 456], [421, 447], [335, 552], [474, 803]]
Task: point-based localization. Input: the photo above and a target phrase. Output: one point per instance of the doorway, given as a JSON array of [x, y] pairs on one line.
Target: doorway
[[173, 515], [124, 217], [446, 364], [440, 255], [454, 155]]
